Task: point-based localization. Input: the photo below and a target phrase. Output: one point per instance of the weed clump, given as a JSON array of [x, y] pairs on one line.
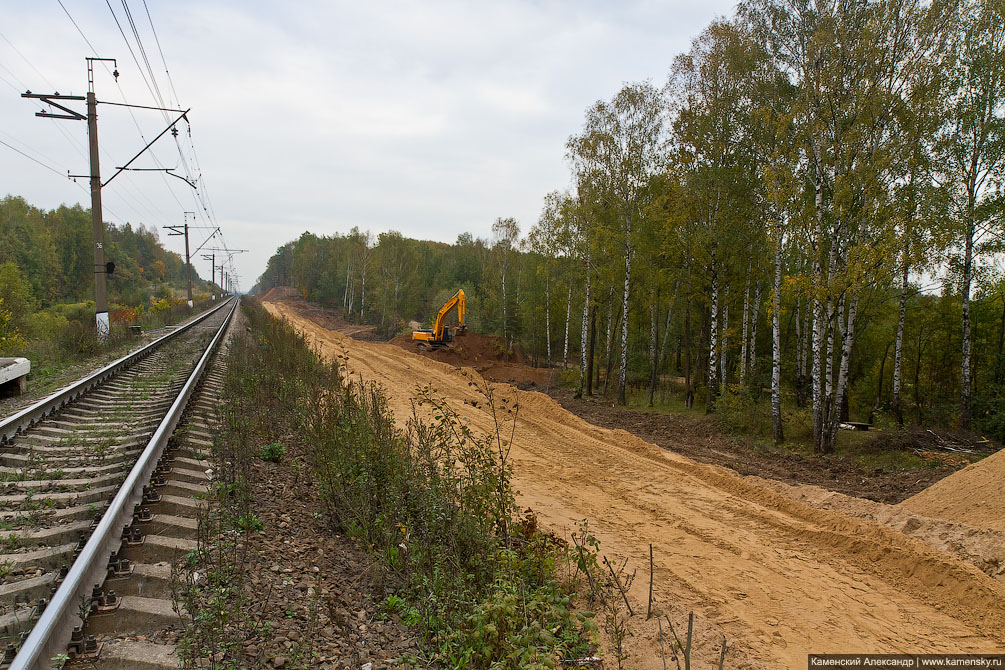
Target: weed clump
[[272, 452]]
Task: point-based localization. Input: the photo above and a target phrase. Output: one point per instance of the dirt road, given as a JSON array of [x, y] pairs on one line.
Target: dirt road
[[778, 578]]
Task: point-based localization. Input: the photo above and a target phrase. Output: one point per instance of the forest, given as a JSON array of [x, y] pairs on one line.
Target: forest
[[806, 216], [47, 279]]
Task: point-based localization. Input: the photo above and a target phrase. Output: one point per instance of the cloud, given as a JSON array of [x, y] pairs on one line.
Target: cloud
[[431, 118]]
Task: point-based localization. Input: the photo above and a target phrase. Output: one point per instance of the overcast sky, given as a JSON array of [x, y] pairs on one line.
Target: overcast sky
[[431, 118]]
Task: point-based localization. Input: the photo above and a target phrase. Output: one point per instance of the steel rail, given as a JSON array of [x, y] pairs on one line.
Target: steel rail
[[52, 631], [32, 414]]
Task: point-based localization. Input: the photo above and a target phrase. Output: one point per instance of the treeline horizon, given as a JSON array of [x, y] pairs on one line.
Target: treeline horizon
[[755, 223], [47, 259]]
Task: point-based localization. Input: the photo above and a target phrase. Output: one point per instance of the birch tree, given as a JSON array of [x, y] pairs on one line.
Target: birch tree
[[621, 148], [971, 148]]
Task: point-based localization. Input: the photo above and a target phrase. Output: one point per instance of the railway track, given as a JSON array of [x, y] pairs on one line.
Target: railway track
[[100, 490]]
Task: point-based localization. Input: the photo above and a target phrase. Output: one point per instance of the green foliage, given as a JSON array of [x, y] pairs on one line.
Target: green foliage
[[52, 251], [272, 452]]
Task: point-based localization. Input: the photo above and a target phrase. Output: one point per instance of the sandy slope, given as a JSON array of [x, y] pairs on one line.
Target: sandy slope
[[779, 578], [972, 496]]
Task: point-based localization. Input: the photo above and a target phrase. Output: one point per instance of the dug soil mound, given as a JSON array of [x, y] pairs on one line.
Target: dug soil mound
[[972, 496], [777, 577], [487, 354], [332, 319]]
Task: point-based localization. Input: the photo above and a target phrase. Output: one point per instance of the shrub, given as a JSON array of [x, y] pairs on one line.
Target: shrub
[[272, 452]]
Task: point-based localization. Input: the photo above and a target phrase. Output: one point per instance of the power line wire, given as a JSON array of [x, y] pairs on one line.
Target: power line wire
[[33, 159]]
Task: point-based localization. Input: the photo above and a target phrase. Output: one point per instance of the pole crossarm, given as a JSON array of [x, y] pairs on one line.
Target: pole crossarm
[[212, 235], [149, 144], [166, 170], [48, 99]]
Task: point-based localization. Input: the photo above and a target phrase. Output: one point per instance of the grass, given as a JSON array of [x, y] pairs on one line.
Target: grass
[[63, 345], [741, 418]]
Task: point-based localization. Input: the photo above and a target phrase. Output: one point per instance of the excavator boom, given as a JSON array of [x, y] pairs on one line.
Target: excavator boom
[[440, 334]]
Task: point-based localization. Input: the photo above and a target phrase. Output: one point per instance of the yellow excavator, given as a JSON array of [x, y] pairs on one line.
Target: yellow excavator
[[441, 335]]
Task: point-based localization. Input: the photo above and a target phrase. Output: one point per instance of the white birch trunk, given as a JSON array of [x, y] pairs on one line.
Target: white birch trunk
[[776, 342], [504, 302], [547, 314], [743, 336], [965, 383], [755, 312], [585, 334], [568, 318], [713, 336], [848, 341], [898, 347], [623, 377], [724, 344]]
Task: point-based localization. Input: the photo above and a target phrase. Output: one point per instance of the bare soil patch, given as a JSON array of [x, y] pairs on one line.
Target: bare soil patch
[[314, 593], [487, 354], [778, 577]]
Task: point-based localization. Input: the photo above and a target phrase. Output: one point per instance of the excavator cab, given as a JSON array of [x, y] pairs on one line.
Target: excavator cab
[[440, 335]]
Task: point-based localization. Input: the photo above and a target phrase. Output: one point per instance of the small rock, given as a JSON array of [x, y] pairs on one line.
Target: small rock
[[279, 662]]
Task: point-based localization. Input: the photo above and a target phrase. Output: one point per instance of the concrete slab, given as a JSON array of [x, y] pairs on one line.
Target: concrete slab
[[136, 655], [14, 376]]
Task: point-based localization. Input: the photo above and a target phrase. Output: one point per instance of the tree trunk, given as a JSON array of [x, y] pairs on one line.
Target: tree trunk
[[582, 340], [724, 343], [848, 341], [917, 378], [713, 334], [547, 314], [362, 293], [589, 356], [800, 369], [688, 387], [504, 303], [653, 345], [879, 384], [623, 377], [752, 349], [743, 336], [666, 325], [1001, 344], [610, 317], [568, 318], [898, 349], [610, 355], [345, 297], [968, 259], [776, 343], [817, 353]]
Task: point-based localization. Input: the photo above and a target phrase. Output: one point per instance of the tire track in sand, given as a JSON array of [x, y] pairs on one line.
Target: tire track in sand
[[778, 578]]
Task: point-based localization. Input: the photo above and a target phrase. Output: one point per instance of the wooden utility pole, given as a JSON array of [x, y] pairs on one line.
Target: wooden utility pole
[[229, 253], [101, 268], [98, 224], [183, 230], [212, 266]]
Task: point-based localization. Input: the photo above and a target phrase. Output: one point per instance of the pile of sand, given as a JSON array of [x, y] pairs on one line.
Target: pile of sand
[[972, 495]]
